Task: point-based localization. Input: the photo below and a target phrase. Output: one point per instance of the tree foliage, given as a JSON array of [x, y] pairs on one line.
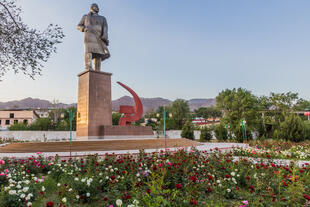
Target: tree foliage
[[116, 117], [180, 112], [208, 112], [237, 105], [206, 134], [188, 130], [292, 128], [24, 49]]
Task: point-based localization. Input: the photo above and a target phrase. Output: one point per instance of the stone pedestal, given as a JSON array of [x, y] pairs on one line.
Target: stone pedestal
[[94, 109]]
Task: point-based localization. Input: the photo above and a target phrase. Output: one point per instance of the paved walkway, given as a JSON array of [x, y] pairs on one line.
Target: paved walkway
[[205, 147]]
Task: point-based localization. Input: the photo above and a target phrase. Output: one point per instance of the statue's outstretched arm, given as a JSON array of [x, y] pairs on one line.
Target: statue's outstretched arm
[[81, 25]]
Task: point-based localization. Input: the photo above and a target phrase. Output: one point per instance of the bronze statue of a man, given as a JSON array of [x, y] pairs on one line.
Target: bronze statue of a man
[[95, 30]]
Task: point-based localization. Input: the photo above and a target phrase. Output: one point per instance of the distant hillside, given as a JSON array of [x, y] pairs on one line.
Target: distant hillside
[[31, 103], [149, 104]]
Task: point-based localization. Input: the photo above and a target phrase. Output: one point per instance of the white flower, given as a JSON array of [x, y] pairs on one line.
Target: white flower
[[70, 190], [77, 196], [25, 189], [218, 181], [18, 186], [64, 200], [228, 190], [135, 202], [12, 192], [22, 195], [83, 180], [43, 188], [138, 174], [87, 194], [58, 184], [233, 173], [29, 204], [119, 202], [76, 179]]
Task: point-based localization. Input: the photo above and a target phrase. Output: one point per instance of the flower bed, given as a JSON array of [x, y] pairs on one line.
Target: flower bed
[[276, 150], [157, 179]]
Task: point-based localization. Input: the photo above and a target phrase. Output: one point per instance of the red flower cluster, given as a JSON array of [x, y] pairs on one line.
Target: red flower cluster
[[50, 204], [178, 186]]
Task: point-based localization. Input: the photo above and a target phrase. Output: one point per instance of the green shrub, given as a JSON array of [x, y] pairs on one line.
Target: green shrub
[[19, 127], [41, 124], [292, 128], [220, 132], [307, 130], [206, 134], [188, 131], [275, 134]]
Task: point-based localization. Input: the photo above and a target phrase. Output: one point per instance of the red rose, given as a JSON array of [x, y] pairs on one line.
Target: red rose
[[307, 197], [227, 176], [50, 204], [193, 178], [210, 177], [178, 186], [193, 201]]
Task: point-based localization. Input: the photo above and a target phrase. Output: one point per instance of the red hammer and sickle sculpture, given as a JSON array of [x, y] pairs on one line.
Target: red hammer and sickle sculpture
[[130, 114]]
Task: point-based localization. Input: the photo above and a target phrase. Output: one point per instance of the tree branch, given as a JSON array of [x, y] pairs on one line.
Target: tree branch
[[7, 9]]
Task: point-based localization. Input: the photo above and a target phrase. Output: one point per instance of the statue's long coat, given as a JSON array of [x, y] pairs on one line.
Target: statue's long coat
[[94, 41]]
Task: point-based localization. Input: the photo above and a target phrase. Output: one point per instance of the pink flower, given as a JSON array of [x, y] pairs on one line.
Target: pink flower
[[2, 162], [49, 164], [6, 170], [38, 153], [168, 163], [2, 174], [110, 205], [159, 165]]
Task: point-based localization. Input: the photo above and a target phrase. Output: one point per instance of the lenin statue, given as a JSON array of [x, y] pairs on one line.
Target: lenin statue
[[95, 30]]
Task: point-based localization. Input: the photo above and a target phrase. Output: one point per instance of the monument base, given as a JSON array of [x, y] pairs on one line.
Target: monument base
[[120, 133]]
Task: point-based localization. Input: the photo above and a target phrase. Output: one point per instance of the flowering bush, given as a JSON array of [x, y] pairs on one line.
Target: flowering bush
[[164, 178], [276, 149]]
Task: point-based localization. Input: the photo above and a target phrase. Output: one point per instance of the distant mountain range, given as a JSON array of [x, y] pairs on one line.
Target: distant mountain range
[[149, 104]]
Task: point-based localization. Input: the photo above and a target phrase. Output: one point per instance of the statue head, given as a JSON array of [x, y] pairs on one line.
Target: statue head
[[94, 8]]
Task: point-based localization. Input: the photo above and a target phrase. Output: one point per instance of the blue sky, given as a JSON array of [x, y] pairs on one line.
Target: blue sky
[[177, 48]]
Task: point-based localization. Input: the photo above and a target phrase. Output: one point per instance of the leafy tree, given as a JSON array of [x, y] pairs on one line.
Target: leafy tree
[[292, 128], [302, 105], [180, 112], [41, 124], [24, 49], [208, 112], [277, 107], [206, 134], [237, 105], [115, 118], [64, 125], [220, 132], [188, 130]]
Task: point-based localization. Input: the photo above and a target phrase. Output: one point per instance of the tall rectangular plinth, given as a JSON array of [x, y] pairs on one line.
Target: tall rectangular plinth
[[94, 109]]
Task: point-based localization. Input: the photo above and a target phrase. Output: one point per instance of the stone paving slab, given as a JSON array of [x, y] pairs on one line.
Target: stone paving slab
[[204, 147]]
